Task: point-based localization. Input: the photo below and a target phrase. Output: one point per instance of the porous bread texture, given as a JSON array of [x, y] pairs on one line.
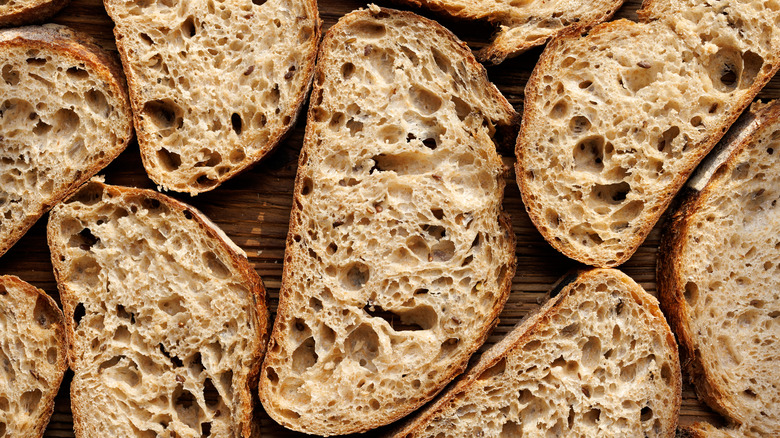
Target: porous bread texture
[[524, 24], [719, 279], [32, 357], [598, 359], [706, 430], [399, 257], [214, 85], [167, 321], [64, 115], [615, 121], [18, 12]]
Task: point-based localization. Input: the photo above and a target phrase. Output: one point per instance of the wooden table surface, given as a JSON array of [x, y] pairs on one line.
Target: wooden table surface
[[253, 208]]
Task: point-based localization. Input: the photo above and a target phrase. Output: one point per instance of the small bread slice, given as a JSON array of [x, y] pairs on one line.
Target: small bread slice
[[706, 430], [19, 12], [64, 115], [524, 24], [718, 274], [166, 319], [598, 359], [399, 257], [33, 355], [616, 121], [214, 85]]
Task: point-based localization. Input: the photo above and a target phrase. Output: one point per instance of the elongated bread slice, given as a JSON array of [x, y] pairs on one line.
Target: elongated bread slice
[[18, 12], [524, 24], [166, 319], [615, 121], [399, 257], [214, 85], [718, 275], [598, 359], [706, 430], [33, 355], [64, 115]]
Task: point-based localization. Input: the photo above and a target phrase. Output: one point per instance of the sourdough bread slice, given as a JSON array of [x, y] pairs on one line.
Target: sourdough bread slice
[[616, 121], [214, 85], [33, 355], [166, 319], [18, 12], [718, 275], [524, 24], [597, 359], [64, 115], [399, 257], [706, 430]]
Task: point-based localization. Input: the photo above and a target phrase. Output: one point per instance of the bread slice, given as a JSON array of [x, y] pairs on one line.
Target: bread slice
[[64, 115], [597, 359], [706, 430], [524, 24], [718, 275], [19, 12], [614, 122], [214, 85], [32, 355], [399, 257], [166, 319]]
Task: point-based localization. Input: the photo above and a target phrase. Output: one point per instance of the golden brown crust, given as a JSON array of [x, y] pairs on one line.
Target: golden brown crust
[[33, 14], [83, 48]]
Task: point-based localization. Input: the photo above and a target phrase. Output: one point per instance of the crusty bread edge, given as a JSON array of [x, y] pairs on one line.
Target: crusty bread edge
[[34, 14], [145, 141], [702, 149], [82, 47], [238, 259], [62, 363], [527, 327], [671, 286], [504, 220]]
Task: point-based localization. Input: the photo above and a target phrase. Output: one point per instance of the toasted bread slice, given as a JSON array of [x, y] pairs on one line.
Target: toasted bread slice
[[33, 354], [166, 319], [718, 275], [215, 86], [706, 430], [598, 359], [616, 121], [524, 24], [19, 12], [64, 115], [399, 257]]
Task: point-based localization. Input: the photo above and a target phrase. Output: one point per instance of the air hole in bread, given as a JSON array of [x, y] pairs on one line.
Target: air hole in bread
[[188, 28], [591, 352], [646, 413], [447, 348], [122, 335], [441, 60], [462, 109], [493, 371], [424, 100], [236, 123], [559, 110], [187, 409], [41, 312], [51, 355], [97, 102], [65, 122], [173, 358], [30, 400], [305, 356], [10, 75], [164, 114], [589, 154], [362, 346], [168, 160], [211, 394], [691, 293], [205, 428], [369, 29], [347, 70], [79, 313], [442, 251], [204, 181], [4, 406], [172, 305], [355, 276], [354, 126], [77, 73], [610, 193], [579, 125]]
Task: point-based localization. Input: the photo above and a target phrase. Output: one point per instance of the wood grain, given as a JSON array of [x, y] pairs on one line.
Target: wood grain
[[254, 207]]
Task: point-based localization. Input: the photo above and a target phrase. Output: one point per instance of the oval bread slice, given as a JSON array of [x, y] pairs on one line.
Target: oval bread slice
[[166, 319], [399, 257], [598, 359], [614, 122], [64, 115], [215, 86], [33, 354], [718, 274], [19, 12]]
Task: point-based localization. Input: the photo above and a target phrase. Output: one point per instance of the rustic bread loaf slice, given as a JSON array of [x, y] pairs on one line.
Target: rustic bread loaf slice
[[399, 257], [706, 430], [524, 24], [64, 115], [33, 355], [18, 12], [718, 276], [214, 85], [615, 121], [598, 359], [166, 319]]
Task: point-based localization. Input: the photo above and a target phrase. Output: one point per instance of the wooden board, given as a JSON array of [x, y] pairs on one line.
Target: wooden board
[[254, 208]]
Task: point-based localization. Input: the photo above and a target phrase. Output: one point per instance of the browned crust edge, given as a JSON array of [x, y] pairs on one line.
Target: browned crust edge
[[670, 263], [527, 327], [34, 14], [145, 141], [62, 364], [504, 219], [704, 147], [239, 261], [83, 48]]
